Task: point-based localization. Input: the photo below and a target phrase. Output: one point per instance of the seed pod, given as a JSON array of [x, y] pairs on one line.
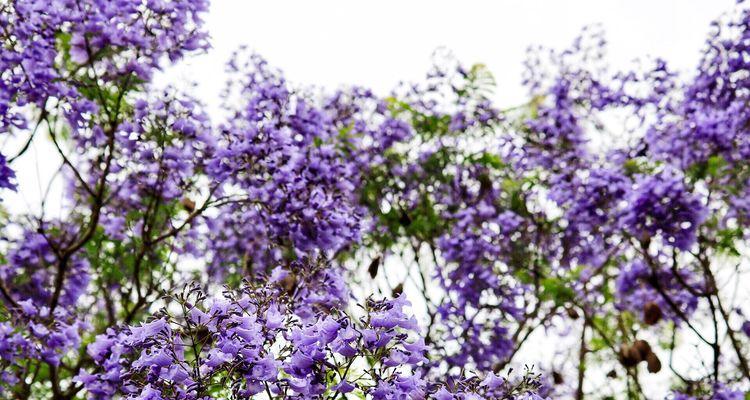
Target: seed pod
[[398, 290], [188, 204], [651, 313], [247, 263], [629, 357], [643, 348], [374, 266], [485, 184], [634, 354], [557, 378], [654, 365], [572, 313]]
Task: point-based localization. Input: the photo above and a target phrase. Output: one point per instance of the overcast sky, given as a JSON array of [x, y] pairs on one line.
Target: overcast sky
[[378, 44]]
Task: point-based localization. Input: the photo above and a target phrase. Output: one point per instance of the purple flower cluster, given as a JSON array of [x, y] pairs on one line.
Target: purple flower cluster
[[46, 44], [252, 341], [28, 274], [279, 154], [592, 203], [661, 205], [31, 336], [710, 118], [7, 176], [717, 392], [36, 331], [528, 387], [479, 253], [641, 286], [292, 167]]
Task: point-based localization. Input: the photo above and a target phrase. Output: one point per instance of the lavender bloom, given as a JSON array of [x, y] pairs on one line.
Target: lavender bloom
[[661, 205], [7, 176], [254, 339]]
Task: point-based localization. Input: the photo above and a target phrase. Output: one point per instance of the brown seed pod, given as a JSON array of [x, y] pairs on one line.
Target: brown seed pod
[[557, 378], [634, 354], [643, 348], [247, 263], [398, 290], [629, 357], [497, 368], [374, 266], [651, 313], [188, 204], [654, 365], [201, 335]]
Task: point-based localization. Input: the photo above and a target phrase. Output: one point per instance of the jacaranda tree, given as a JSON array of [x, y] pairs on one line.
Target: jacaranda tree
[[283, 253]]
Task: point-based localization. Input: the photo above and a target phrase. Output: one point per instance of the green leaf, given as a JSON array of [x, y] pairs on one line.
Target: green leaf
[[558, 290]]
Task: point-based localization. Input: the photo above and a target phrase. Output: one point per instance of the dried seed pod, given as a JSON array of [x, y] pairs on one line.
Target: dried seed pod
[[188, 204], [374, 266], [557, 378], [247, 263], [629, 356], [497, 368], [651, 313], [654, 365], [634, 354], [643, 348], [202, 334], [398, 290]]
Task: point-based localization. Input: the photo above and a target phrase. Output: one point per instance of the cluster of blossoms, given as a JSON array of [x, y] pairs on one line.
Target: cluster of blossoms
[[30, 335], [643, 290], [481, 249], [289, 167], [591, 200], [36, 330], [661, 205], [7, 176], [276, 152], [34, 253], [263, 338], [49, 46], [718, 392], [255, 341]]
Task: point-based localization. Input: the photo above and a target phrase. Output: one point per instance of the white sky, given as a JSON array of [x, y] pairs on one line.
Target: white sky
[[378, 44]]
